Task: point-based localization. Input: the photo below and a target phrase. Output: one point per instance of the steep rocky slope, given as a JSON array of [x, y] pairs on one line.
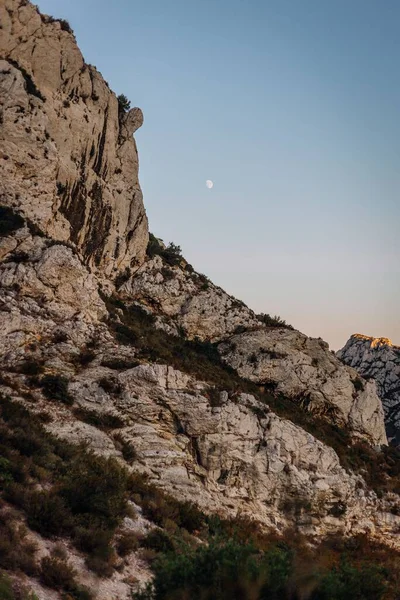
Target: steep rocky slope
[[279, 357], [225, 450], [140, 359], [378, 359]]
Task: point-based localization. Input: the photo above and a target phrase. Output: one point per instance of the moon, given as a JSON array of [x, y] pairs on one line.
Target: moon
[[209, 184]]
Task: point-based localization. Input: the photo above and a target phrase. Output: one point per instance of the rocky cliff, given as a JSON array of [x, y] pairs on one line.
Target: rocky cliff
[[68, 160], [158, 368], [378, 359]]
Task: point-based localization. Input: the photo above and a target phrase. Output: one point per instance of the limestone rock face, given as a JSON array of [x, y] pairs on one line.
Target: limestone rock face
[[68, 160], [378, 359], [299, 367], [304, 369], [237, 458], [54, 276], [233, 455], [189, 300], [68, 164]]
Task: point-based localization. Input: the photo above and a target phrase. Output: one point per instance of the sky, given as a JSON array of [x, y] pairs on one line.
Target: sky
[[292, 110]]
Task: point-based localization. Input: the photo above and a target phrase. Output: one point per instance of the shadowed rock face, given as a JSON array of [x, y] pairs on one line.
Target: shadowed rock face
[[68, 160], [378, 359]]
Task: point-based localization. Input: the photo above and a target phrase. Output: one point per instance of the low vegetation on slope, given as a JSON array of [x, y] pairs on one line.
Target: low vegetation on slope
[[67, 491], [229, 568], [133, 325], [172, 256]]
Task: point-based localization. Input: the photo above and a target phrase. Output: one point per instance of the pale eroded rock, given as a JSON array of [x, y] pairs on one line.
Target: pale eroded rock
[[378, 359], [297, 366]]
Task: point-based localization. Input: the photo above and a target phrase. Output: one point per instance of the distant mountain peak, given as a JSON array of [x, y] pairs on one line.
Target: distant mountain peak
[[375, 342], [378, 359]]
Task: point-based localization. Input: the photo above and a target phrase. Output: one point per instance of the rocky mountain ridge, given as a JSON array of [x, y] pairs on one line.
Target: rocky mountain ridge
[[378, 359], [118, 344]]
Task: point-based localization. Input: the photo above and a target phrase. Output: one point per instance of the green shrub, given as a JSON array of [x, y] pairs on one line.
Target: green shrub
[[167, 273], [127, 448], [275, 321], [154, 247], [123, 103], [55, 387], [6, 591], [96, 487], [201, 359], [172, 254], [123, 277], [16, 551], [159, 507], [158, 540], [228, 568], [221, 570], [214, 396], [85, 496], [46, 512], [10, 592], [110, 385], [104, 421], [85, 357], [358, 385], [127, 543], [96, 542], [31, 367], [10, 221], [57, 573], [348, 582], [65, 26], [6, 475]]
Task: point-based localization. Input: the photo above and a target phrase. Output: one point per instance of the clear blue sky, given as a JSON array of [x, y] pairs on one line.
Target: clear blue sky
[[292, 109]]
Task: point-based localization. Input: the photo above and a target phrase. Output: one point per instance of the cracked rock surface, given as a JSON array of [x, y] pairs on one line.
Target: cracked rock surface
[[295, 365], [378, 359]]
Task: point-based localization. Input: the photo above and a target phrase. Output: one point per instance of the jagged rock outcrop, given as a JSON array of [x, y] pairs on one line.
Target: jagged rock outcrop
[[304, 369], [299, 367], [237, 458], [189, 300], [68, 160], [378, 359]]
